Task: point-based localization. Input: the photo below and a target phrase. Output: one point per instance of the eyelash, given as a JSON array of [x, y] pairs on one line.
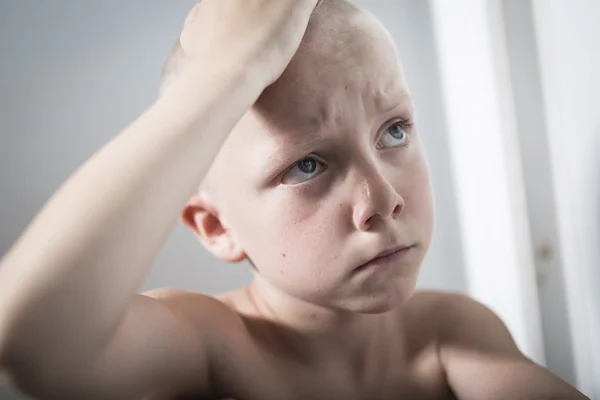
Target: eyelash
[[406, 124], [308, 182], [305, 186]]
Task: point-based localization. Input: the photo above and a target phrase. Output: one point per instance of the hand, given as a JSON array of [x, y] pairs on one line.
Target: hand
[[259, 35]]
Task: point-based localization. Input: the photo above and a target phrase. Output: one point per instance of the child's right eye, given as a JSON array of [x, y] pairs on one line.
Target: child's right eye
[[303, 170]]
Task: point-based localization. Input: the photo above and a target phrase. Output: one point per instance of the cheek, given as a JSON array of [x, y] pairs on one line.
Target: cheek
[[416, 191], [281, 231], [292, 240], [301, 228]]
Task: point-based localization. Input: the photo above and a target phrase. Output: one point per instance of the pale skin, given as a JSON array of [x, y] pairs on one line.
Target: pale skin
[[310, 326]]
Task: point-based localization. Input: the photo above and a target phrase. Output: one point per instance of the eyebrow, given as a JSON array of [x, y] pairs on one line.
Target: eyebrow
[[308, 136], [301, 141], [288, 150], [386, 103]]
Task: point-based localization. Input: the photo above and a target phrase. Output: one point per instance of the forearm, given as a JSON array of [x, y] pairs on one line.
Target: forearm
[[68, 280]]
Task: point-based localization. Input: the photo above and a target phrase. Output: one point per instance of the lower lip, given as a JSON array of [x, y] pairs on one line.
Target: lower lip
[[385, 262]]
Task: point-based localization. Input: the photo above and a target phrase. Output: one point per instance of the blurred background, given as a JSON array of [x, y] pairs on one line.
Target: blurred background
[[508, 103]]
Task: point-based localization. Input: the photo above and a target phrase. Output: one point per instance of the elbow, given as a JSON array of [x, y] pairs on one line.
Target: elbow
[[6, 380], [38, 376], [29, 380], [5, 375]]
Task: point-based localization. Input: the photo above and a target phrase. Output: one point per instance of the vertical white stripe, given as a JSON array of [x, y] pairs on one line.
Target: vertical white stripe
[[498, 256], [569, 59]]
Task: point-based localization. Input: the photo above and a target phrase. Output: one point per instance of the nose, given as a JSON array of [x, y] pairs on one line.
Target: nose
[[377, 199]]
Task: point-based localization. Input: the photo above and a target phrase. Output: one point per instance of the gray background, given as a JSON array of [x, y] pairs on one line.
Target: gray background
[[74, 73]]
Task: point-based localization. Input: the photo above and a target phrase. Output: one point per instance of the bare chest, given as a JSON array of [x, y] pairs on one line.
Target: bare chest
[[269, 378], [401, 363]]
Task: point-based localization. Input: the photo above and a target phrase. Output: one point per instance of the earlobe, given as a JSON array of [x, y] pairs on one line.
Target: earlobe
[[210, 230]]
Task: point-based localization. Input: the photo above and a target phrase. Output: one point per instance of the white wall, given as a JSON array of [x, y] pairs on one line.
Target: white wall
[[484, 151], [72, 74], [539, 183], [522, 95], [568, 34]]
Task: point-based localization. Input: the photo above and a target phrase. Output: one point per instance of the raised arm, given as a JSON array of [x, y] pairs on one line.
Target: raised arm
[[71, 324]]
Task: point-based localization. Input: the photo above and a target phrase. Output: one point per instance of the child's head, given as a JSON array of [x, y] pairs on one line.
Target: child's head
[[325, 172]]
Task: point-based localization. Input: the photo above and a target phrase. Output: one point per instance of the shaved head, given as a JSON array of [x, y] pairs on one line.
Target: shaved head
[[340, 44], [326, 166], [335, 33], [340, 37]]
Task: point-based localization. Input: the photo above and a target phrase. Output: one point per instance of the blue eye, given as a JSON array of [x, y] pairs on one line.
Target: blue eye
[[394, 136], [302, 171]]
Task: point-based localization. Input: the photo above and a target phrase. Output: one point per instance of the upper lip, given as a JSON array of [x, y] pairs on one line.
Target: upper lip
[[385, 253]]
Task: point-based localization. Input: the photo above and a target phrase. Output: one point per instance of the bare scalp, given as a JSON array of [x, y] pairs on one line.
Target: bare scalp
[[331, 36], [338, 43]]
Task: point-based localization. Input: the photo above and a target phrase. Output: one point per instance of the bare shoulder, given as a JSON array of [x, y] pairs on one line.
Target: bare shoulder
[[420, 315], [479, 355], [442, 301], [438, 308], [449, 306], [460, 320], [196, 307], [215, 321], [220, 323]]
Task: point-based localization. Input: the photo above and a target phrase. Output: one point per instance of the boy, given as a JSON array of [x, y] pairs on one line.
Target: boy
[[298, 127]]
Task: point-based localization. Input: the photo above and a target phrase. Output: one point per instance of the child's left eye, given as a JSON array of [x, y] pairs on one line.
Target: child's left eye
[[394, 136]]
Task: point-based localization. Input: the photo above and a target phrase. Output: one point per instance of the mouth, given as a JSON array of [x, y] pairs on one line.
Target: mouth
[[385, 258]]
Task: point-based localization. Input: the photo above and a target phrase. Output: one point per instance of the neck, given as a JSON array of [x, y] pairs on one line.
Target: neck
[[314, 329]]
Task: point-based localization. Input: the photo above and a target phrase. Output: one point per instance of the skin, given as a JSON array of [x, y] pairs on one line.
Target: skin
[[319, 226], [369, 192], [309, 326]]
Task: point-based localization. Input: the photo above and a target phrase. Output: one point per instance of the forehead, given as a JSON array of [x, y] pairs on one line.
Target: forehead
[[329, 86], [324, 82]]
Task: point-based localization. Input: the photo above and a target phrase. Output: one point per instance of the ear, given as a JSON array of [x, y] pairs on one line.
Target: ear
[[210, 229]]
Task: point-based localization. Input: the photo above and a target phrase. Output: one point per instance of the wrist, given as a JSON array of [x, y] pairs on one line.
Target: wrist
[[208, 98], [211, 80]]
